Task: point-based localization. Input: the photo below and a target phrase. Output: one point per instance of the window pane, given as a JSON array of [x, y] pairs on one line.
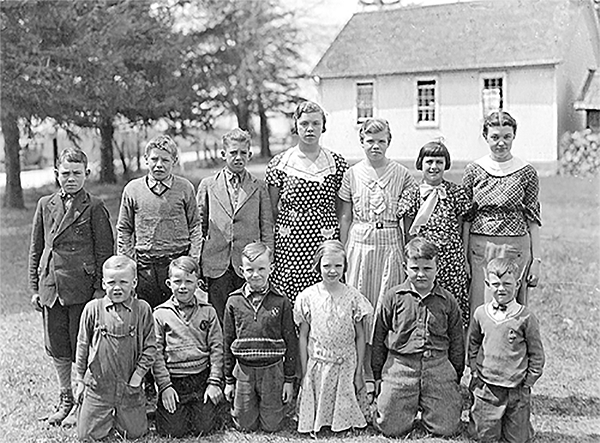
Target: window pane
[[426, 101], [492, 95], [364, 100]]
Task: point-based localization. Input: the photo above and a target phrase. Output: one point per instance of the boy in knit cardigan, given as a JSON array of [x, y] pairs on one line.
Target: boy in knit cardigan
[[260, 346], [189, 363], [506, 357]]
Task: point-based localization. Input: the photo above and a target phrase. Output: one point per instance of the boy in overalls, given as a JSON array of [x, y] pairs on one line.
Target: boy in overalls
[[116, 347]]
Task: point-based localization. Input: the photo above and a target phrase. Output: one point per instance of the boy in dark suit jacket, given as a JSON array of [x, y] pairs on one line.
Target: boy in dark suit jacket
[[70, 240], [235, 210]]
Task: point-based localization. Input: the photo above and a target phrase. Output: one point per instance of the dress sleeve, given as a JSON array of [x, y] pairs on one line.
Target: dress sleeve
[[302, 308], [468, 180], [531, 201], [361, 307], [462, 201], [409, 202], [341, 166], [273, 176], [345, 192]]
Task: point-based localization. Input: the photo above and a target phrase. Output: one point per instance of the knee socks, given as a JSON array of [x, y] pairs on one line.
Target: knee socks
[[63, 371]]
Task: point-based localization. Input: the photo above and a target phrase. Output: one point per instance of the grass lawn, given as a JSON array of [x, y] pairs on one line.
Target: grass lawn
[[566, 400]]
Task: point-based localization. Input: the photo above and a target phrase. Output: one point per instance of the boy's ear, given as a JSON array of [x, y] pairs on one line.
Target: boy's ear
[[168, 283], [249, 152], [88, 172], [135, 282], [223, 154]]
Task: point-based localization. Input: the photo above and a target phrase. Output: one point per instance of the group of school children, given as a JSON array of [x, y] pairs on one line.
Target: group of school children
[[141, 311]]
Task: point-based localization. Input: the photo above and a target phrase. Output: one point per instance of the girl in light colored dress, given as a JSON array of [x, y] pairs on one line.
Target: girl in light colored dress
[[330, 317], [369, 225]]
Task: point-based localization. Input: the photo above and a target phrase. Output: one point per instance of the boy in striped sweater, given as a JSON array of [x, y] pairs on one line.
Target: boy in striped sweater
[[506, 357], [260, 346]]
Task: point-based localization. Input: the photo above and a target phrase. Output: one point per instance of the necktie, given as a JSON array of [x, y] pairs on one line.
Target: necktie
[[431, 195], [67, 202], [235, 186]]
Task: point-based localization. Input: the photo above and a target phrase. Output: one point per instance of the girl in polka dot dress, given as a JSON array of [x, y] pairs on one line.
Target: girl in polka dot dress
[[330, 318], [303, 184]]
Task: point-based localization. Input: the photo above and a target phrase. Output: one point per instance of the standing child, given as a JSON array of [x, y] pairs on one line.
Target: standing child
[[116, 347], [434, 210], [506, 357], [234, 209], [189, 363], [369, 224], [70, 240], [418, 350], [158, 220], [260, 346], [332, 346]]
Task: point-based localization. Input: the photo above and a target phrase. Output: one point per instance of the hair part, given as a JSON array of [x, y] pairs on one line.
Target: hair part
[[419, 248], [373, 126], [164, 143], [117, 262], [329, 247], [72, 155], [237, 135], [307, 108], [500, 266], [499, 119], [433, 149], [185, 263], [255, 249]]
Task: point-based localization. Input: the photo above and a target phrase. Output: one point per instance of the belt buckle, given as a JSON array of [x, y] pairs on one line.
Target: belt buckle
[[379, 225], [427, 353]]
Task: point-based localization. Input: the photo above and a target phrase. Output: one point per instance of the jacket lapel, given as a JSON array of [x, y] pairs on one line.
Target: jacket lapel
[[221, 193], [79, 205], [247, 188]]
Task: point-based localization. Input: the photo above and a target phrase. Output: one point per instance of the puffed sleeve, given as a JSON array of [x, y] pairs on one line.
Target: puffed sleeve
[[361, 307], [273, 176], [302, 308], [345, 192], [468, 180], [409, 203], [531, 201], [462, 202]]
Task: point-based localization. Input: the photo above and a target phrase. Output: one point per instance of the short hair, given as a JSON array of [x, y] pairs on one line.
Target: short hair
[[255, 249], [329, 247], [433, 149], [120, 262], [163, 142], [419, 248], [306, 108], [374, 125], [185, 263], [237, 135], [499, 119], [500, 266], [73, 155]]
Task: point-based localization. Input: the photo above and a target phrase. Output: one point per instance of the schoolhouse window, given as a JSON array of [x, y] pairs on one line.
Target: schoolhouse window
[[492, 95], [426, 102], [364, 101]]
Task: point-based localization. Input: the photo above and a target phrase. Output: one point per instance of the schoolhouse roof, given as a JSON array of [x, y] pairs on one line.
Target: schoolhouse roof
[[484, 34], [589, 97]]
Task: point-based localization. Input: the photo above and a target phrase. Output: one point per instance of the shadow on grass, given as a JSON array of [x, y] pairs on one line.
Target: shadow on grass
[[556, 437], [572, 406]]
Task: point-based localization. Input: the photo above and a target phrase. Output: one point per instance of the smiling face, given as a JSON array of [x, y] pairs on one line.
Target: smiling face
[[500, 140], [119, 284], [332, 267], [182, 283], [433, 170], [503, 289], [236, 155], [421, 273], [310, 127], [71, 176], [375, 146], [256, 272], [160, 163]]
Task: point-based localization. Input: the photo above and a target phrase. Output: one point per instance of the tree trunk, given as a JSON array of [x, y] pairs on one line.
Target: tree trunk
[[265, 147], [13, 197], [242, 112], [107, 164]]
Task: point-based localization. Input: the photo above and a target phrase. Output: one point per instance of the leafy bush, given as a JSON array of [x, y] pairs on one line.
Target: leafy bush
[[580, 153]]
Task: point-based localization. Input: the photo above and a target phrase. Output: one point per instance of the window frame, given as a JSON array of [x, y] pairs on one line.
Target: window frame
[[492, 76], [436, 107], [357, 84]]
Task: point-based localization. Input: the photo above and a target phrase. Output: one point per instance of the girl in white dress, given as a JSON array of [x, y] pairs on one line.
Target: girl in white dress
[[330, 317]]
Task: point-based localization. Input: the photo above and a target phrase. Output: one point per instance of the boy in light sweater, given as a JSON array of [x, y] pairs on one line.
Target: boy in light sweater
[[506, 357], [189, 363]]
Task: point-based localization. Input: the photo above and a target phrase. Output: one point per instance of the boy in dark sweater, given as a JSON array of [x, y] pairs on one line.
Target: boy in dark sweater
[[506, 358], [418, 350], [260, 346]]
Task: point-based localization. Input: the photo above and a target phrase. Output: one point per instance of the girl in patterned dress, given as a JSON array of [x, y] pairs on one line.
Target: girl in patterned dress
[[330, 318], [434, 210], [303, 183], [369, 224], [507, 219]]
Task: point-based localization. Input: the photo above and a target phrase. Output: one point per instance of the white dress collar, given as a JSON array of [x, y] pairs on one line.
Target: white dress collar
[[501, 169]]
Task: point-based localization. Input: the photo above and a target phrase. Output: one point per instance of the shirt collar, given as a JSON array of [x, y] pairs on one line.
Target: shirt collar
[[229, 174], [65, 195], [407, 286], [249, 292], [127, 303], [168, 182], [179, 305]]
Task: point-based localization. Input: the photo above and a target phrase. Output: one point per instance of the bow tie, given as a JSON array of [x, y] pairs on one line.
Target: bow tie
[[426, 189], [498, 307]]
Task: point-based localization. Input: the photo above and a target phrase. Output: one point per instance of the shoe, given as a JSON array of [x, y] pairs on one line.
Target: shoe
[[63, 409], [71, 420]]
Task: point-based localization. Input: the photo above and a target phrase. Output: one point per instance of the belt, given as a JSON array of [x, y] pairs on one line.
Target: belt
[[381, 224]]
